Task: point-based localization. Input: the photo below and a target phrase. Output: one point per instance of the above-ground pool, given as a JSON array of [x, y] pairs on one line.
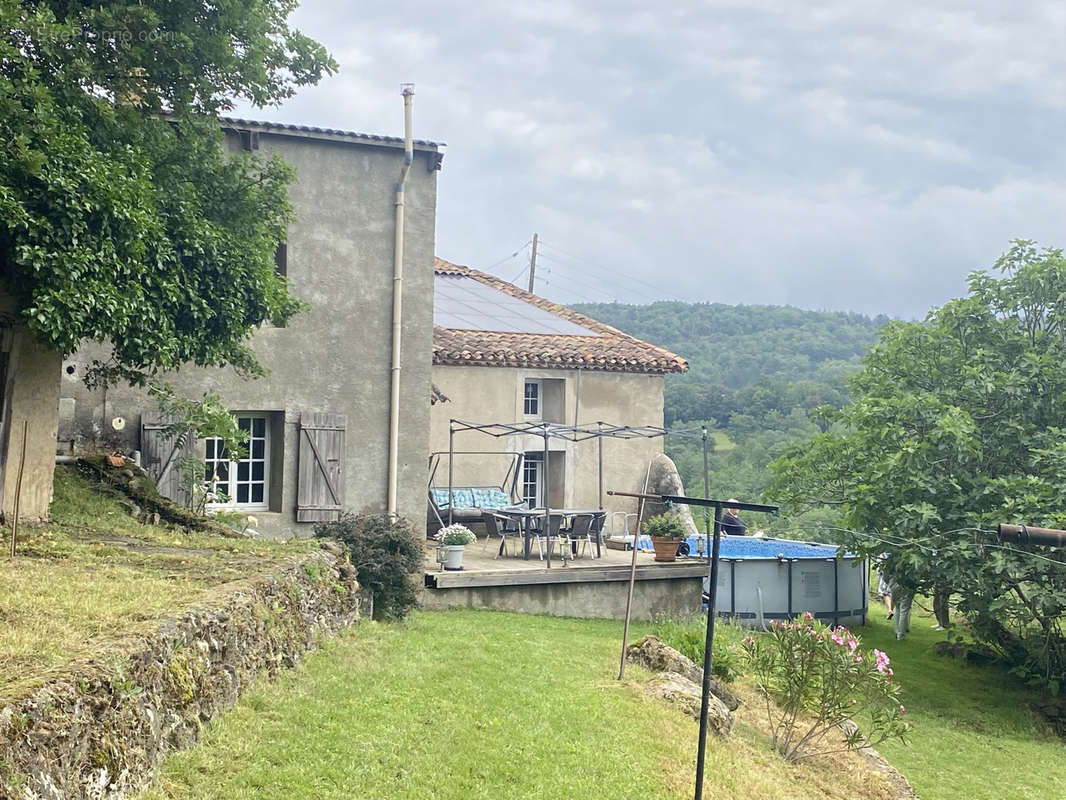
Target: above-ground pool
[[761, 579]]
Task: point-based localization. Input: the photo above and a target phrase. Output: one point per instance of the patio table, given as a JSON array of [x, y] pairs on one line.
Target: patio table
[[524, 516]]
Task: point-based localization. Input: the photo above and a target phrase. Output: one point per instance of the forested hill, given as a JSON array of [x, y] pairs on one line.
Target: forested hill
[[747, 359]]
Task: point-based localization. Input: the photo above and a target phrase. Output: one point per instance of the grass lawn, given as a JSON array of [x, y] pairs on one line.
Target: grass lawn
[[476, 704], [95, 571], [974, 737]]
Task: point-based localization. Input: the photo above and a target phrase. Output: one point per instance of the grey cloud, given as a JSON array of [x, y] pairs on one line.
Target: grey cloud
[[829, 154]]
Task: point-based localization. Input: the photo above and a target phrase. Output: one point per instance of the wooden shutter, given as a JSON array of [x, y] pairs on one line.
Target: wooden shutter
[[160, 457], [320, 491]]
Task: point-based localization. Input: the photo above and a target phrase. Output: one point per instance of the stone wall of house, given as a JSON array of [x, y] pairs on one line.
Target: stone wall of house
[[494, 394], [97, 729], [335, 357]]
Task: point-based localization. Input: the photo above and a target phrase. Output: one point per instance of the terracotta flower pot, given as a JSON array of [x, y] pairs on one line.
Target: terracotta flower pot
[[665, 548], [116, 461]]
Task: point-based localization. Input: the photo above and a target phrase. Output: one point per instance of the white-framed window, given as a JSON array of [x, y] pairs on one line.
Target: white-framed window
[[532, 474], [531, 400], [246, 482]]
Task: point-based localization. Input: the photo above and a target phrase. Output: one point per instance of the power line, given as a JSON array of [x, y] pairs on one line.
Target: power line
[[585, 270], [570, 277], [598, 289], [508, 258], [614, 272]]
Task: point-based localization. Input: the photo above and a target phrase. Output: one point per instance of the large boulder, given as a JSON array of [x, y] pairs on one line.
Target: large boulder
[[663, 478], [680, 682], [680, 691], [655, 655]]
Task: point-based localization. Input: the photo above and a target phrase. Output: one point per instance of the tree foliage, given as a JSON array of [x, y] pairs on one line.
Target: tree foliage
[[122, 220], [747, 359], [956, 424], [755, 374]]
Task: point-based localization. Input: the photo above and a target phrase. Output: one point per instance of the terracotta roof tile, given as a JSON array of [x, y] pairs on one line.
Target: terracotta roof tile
[[611, 350]]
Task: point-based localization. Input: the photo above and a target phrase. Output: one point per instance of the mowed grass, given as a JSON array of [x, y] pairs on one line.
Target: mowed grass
[[476, 704], [95, 574], [974, 737]]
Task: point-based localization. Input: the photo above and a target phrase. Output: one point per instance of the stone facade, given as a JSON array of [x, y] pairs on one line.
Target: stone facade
[[332, 360], [98, 729]]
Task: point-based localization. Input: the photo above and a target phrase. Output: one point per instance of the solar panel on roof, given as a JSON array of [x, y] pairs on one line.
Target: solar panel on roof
[[463, 303]]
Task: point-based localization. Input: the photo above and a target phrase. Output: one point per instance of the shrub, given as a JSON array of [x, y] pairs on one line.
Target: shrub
[[666, 526], [805, 669], [387, 555], [688, 635]]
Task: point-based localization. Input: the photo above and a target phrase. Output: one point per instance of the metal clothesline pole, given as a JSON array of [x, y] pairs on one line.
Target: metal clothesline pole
[[712, 591]]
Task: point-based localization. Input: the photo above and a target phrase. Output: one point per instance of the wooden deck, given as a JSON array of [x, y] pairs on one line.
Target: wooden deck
[[482, 569]]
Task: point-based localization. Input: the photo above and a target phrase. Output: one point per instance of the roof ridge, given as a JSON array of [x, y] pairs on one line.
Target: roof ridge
[[288, 126]]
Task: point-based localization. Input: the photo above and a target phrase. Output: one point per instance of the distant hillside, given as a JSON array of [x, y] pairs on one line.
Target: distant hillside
[[747, 359]]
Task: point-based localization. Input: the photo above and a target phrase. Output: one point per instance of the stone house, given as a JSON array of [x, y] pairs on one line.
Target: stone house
[[29, 383], [319, 422], [501, 354]]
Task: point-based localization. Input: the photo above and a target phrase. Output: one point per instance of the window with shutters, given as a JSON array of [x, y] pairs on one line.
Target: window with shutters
[[244, 483]]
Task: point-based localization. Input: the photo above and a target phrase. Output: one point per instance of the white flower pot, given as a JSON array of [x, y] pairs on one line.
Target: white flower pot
[[451, 555]]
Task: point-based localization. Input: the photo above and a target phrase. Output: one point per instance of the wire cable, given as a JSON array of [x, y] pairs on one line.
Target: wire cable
[[640, 294], [508, 258], [611, 272]]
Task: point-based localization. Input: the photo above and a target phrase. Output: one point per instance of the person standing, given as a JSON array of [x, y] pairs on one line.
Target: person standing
[[731, 524], [884, 585], [941, 608], [904, 597]]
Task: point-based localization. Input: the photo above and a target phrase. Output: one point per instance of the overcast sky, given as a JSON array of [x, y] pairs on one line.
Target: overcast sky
[[828, 154]]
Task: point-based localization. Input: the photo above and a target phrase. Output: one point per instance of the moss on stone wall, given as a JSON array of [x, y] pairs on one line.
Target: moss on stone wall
[[142, 499], [99, 728]]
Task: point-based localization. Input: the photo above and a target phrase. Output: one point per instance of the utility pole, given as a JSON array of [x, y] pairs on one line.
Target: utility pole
[[533, 263]]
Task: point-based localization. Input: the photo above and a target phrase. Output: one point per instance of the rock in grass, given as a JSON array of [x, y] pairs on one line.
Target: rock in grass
[[681, 691], [654, 654]]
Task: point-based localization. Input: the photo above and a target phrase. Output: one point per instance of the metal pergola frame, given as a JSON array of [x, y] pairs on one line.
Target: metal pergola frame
[[550, 430]]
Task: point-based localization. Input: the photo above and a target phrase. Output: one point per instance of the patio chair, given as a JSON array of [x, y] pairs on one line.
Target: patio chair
[[499, 526], [599, 520], [579, 534], [553, 535]]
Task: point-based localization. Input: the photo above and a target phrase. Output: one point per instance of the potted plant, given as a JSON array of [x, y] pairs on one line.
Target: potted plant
[[453, 541], [666, 532]]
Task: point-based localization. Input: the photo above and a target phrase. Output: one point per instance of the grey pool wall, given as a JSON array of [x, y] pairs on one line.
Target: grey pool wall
[[754, 590]]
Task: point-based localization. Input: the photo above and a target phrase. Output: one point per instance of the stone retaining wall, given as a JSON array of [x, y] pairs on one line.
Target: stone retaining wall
[[99, 728]]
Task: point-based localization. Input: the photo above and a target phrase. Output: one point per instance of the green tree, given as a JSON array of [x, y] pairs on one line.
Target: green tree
[[955, 426], [122, 220]]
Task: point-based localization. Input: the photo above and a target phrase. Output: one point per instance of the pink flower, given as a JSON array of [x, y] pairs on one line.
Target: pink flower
[[852, 644], [807, 615], [836, 637], [858, 659], [882, 661], [902, 710]]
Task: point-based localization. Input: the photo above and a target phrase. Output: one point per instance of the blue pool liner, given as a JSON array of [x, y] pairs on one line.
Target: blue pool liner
[[749, 547]]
